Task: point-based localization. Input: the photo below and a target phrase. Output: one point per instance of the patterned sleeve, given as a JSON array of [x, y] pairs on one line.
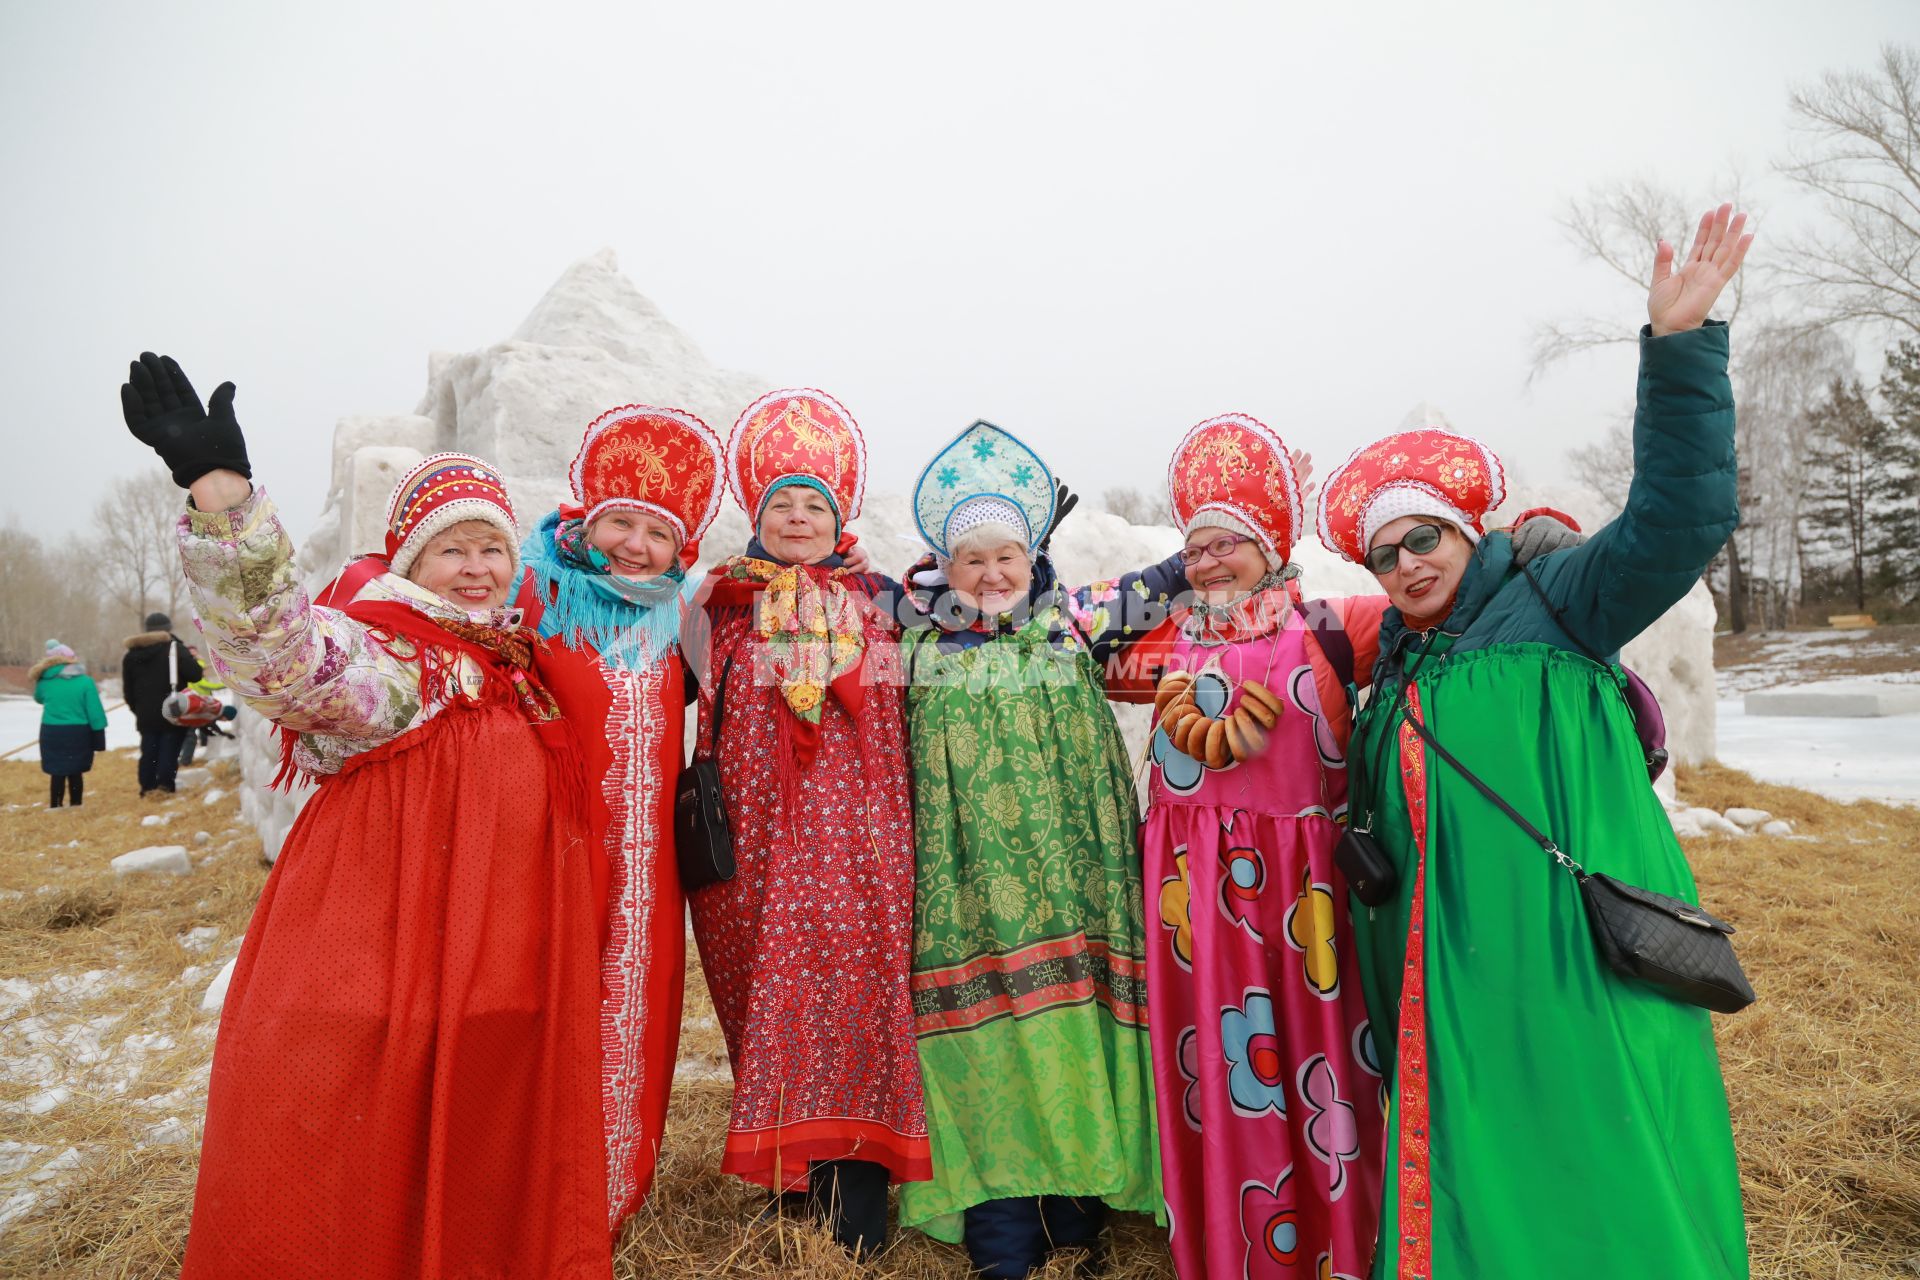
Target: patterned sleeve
[[309, 669], [1112, 612]]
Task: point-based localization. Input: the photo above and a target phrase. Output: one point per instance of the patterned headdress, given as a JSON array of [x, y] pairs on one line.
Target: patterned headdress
[[438, 493], [985, 475], [1426, 472], [797, 434], [665, 462], [1235, 466]]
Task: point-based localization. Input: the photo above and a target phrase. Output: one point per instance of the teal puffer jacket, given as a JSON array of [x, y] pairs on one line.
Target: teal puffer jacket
[[1681, 508]]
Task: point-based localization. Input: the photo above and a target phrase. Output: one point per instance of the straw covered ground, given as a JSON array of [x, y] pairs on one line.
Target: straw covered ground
[[103, 1055]]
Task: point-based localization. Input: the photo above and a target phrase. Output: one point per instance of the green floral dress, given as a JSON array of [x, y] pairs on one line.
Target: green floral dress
[[1029, 990]]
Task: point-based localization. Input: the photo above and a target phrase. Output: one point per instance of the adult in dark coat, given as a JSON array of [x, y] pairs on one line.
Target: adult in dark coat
[[145, 681]]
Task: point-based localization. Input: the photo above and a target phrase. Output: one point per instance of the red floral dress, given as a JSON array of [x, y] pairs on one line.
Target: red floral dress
[[807, 948]]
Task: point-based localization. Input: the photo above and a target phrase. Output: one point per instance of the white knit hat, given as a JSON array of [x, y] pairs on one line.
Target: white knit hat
[[1393, 501]]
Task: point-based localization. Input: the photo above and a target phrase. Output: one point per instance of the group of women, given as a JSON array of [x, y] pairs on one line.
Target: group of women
[[952, 956]]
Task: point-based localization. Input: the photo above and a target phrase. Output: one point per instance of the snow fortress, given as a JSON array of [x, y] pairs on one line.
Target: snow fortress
[[594, 342]]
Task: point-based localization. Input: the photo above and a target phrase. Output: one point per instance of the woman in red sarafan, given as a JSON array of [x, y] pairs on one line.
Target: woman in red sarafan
[[807, 948], [405, 1082], [611, 571]]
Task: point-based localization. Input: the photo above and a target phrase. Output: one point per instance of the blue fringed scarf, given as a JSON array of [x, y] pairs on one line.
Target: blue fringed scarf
[[631, 624]]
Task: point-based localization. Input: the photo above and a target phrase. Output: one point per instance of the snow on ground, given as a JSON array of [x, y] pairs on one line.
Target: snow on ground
[[1847, 758], [20, 723], [1796, 657]]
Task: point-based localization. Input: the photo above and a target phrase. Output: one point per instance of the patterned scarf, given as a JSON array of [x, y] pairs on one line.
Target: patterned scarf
[[1257, 613], [809, 626], [629, 622]]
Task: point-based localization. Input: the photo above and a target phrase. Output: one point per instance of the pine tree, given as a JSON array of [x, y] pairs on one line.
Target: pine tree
[[1898, 543], [1851, 483]]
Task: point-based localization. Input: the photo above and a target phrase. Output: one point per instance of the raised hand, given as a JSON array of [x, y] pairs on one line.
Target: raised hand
[[163, 412], [1682, 295], [1303, 472], [1064, 501]]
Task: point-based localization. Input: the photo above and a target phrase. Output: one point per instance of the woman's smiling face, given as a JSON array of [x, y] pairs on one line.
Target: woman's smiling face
[[635, 544], [1423, 585], [1219, 579], [797, 525]]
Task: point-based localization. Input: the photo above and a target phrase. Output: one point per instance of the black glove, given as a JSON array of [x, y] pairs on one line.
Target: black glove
[[1064, 500], [164, 413], [99, 739]]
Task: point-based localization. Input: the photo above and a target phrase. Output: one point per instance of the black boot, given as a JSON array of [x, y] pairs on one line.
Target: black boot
[[850, 1196]]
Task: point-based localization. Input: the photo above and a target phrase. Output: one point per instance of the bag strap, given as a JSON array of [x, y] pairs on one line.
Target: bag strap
[[173, 664], [720, 698], [1559, 616], [1545, 842]]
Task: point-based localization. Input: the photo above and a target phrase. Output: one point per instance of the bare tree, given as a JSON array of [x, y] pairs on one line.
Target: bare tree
[[1858, 148], [51, 594], [137, 547], [1619, 225], [1606, 465], [1784, 372]]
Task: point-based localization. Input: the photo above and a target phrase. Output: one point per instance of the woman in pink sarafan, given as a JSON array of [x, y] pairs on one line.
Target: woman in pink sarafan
[[1267, 1076]]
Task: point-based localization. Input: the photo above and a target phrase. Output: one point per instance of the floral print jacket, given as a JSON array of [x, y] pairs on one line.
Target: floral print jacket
[[309, 669]]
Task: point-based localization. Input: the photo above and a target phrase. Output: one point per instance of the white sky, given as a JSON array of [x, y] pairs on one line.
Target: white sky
[[1094, 224]]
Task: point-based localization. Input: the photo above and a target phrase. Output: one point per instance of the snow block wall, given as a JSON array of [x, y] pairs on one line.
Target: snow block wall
[[594, 342]]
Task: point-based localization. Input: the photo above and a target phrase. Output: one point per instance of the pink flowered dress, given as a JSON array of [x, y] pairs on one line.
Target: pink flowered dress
[[1267, 1076]]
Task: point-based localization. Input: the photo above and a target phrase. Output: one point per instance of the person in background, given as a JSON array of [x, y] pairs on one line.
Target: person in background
[[73, 725], [207, 686], [156, 664]]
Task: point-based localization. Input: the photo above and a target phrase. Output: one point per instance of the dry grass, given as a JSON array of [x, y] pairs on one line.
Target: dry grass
[[1824, 1073]]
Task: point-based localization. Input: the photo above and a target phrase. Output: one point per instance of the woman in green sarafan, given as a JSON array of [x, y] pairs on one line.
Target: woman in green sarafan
[[1029, 976], [1548, 1117]]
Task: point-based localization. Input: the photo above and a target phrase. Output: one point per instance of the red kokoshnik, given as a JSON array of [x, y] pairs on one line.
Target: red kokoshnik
[[1423, 472], [665, 462], [1235, 464]]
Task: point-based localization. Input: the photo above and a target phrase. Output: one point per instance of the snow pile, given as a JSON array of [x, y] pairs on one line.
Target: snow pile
[[159, 859]]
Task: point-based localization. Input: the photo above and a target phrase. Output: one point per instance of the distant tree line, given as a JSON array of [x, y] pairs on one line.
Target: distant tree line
[[1829, 459], [94, 589]]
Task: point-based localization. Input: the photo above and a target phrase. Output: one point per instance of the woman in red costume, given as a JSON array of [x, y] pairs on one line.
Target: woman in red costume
[[807, 948], [406, 1078], [611, 571]]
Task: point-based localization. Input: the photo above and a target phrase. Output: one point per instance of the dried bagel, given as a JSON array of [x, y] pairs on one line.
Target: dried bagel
[[1216, 745]]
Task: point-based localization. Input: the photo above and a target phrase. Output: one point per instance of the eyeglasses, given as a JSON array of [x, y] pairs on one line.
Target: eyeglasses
[[1420, 539], [1220, 548]]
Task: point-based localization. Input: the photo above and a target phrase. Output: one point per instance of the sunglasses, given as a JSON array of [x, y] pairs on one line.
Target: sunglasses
[[1220, 548], [1420, 539]]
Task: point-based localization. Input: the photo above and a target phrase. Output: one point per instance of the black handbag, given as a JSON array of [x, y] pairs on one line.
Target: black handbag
[[702, 838], [1665, 942], [1369, 873]]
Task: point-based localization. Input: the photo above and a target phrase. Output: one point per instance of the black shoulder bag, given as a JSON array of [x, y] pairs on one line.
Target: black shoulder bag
[[1666, 942], [702, 838]]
